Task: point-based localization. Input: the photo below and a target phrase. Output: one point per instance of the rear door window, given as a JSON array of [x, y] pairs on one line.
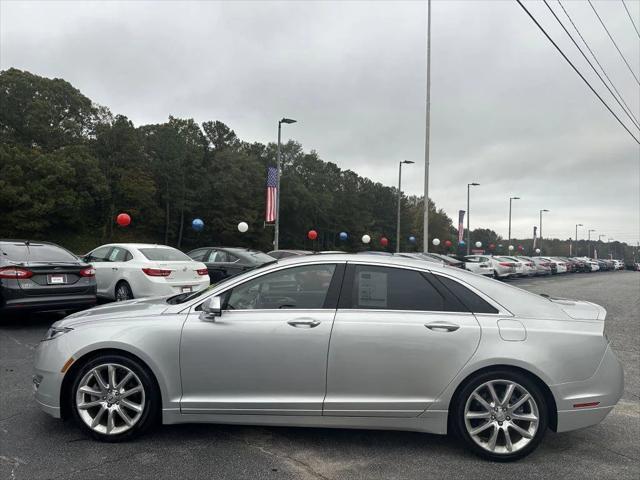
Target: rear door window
[[119, 254], [388, 288]]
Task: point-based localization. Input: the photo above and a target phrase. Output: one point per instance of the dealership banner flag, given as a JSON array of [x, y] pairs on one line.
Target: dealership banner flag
[[461, 225], [272, 187]]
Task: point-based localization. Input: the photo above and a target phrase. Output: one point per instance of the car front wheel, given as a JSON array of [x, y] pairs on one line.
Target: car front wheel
[[114, 398], [501, 416]]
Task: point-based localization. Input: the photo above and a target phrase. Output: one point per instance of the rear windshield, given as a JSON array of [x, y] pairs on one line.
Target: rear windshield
[[165, 255], [35, 252], [257, 256]]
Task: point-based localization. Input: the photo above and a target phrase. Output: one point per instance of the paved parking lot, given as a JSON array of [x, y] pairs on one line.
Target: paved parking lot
[[35, 446]]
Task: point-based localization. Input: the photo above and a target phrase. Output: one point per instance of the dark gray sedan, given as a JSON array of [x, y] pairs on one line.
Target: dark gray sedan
[[224, 262]]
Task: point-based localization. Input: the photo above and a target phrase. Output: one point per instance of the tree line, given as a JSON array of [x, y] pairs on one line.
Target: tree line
[[68, 166]]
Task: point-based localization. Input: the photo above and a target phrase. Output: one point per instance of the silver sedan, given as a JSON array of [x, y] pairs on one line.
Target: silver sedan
[[348, 341]]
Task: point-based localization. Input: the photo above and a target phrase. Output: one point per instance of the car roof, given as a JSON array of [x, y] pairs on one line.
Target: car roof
[[136, 245], [31, 242]]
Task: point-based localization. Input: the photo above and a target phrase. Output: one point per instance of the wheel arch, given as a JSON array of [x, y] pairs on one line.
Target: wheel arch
[[67, 381], [544, 388]]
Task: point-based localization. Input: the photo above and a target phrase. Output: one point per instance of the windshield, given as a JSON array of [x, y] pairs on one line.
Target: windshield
[[165, 254], [35, 252], [185, 297]]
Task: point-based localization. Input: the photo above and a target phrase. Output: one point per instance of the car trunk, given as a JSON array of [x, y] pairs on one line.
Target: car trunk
[[180, 271], [52, 278], [579, 309]]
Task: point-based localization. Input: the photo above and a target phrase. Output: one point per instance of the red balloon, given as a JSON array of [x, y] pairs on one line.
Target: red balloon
[[312, 235], [123, 219], [520, 247], [384, 241], [448, 243], [491, 246]]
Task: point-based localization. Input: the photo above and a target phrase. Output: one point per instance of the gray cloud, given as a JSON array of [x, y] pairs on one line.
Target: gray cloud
[[507, 111]]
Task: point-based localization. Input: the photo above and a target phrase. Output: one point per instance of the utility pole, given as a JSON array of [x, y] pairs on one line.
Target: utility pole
[[577, 225], [425, 233], [543, 210], [589, 242]]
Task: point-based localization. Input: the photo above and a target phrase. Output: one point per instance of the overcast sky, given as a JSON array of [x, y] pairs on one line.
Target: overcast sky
[[507, 111]]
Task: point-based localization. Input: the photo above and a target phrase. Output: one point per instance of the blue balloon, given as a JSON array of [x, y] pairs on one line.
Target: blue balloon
[[197, 224], [412, 239], [344, 235], [461, 242]]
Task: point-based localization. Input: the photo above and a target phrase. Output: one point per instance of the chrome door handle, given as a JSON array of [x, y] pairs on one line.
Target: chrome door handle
[[304, 323], [442, 326]]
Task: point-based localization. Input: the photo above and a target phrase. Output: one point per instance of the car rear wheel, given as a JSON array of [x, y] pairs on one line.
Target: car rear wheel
[[114, 398], [501, 415], [123, 292]]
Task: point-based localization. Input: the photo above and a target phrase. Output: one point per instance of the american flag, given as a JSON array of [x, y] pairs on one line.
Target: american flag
[[272, 186]]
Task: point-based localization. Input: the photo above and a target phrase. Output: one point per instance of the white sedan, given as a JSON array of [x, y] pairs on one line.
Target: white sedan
[[137, 270]]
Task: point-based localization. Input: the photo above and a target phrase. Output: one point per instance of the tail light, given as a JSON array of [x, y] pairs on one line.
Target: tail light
[[507, 264], [15, 272], [202, 271], [88, 272], [156, 272], [529, 264]]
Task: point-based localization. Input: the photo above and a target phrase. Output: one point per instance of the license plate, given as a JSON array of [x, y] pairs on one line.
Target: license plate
[[56, 279], [186, 289]]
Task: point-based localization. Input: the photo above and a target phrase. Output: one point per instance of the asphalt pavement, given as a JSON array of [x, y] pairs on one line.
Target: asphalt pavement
[[36, 446]]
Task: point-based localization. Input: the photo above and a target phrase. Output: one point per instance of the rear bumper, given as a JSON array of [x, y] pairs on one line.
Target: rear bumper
[[48, 303], [605, 387]]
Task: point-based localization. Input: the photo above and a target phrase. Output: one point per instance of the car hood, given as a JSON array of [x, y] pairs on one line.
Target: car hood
[[580, 309], [143, 307]]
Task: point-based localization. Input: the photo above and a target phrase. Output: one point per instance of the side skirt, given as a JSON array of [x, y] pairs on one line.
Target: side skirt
[[429, 422]]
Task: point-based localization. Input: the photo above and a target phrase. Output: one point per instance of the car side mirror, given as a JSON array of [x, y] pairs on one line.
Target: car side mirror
[[211, 308]]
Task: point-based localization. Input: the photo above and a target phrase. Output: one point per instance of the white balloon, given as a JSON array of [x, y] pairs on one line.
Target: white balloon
[[511, 247], [436, 241], [478, 244], [243, 227], [366, 238], [537, 250]]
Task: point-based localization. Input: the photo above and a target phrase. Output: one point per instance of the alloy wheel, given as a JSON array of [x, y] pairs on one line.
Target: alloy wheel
[[501, 416], [110, 399]]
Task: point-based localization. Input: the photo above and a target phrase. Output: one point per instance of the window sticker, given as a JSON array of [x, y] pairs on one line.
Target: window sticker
[[114, 254], [372, 289]]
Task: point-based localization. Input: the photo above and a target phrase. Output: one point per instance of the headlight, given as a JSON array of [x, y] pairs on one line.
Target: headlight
[[54, 332]]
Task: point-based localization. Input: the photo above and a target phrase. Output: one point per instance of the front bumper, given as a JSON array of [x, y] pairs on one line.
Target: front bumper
[[50, 357], [605, 387]]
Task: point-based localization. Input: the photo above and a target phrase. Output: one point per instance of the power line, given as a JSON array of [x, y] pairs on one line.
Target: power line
[[632, 118], [596, 60], [614, 42], [577, 71], [631, 18]]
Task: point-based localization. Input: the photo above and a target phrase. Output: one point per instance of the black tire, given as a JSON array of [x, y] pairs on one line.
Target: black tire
[[123, 291], [150, 415], [458, 414]]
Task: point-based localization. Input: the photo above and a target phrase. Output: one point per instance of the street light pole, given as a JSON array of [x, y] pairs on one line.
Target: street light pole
[[543, 210], [510, 200], [400, 200], [425, 233], [589, 242], [469, 185], [276, 234], [577, 225]]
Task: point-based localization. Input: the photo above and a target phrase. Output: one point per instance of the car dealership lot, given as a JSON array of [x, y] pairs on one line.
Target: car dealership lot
[[33, 445]]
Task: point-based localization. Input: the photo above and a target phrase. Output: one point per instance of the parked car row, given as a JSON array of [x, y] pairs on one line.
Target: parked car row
[[46, 277]]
